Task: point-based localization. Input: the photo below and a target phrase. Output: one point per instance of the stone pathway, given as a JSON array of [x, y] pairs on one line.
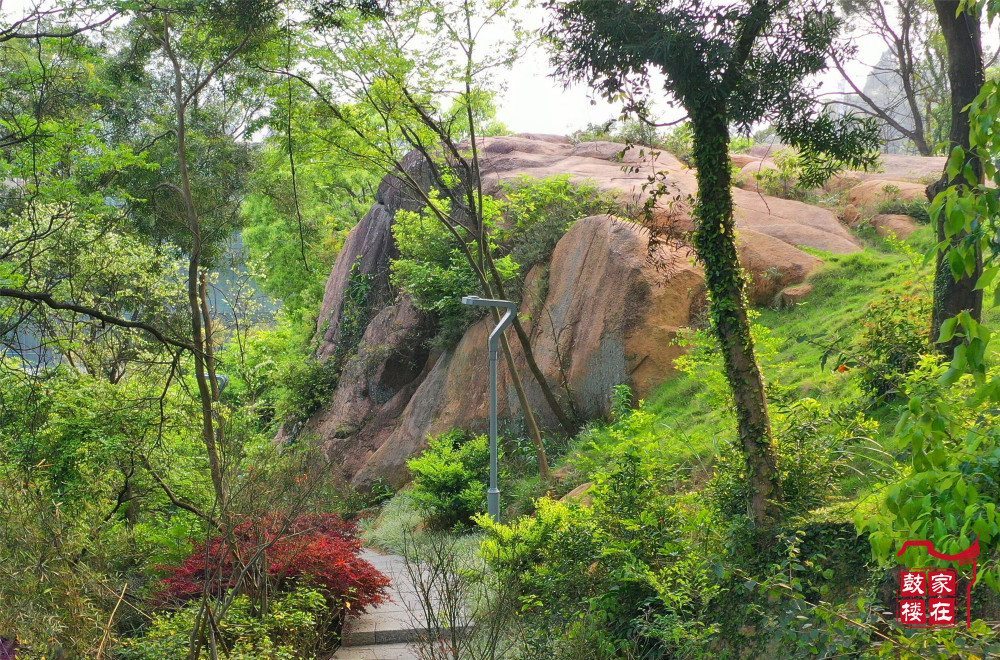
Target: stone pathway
[[388, 631]]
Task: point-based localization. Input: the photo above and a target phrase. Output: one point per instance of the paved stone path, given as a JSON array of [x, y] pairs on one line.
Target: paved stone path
[[388, 631]]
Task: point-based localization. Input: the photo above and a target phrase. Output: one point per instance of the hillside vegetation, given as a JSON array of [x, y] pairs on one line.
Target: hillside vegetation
[[749, 393]]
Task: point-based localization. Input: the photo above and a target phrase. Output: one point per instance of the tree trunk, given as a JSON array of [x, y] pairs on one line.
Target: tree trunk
[[716, 247], [529, 357], [529, 415], [966, 76]]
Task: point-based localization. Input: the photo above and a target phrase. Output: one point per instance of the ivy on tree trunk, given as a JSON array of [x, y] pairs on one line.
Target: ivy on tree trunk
[[715, 242]]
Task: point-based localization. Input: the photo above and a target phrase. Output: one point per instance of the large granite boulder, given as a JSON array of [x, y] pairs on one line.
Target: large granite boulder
[[367, 253], [609, 315], [603, 311]]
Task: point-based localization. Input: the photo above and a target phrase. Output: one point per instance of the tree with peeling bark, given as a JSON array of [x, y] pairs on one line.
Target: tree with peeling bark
[[727, 64]]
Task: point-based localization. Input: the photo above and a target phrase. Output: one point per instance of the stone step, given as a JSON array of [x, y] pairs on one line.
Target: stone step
[[389, 631], [377, 652]]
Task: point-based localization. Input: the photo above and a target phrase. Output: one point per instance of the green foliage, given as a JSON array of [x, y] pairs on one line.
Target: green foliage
[[916, 209], [742, 144], [356, 312], [621, 402], [536, 214], [294, 228], [703, 359], [948, 495], [433, 269], [896, 331], [816, 447], [522, 228], [679, 141], [806, 618], [614, 580], [305, 387], [450, 479], [396, 523], [676, 141], [293, 629], [639, 430], [947, 429], [782, 181]]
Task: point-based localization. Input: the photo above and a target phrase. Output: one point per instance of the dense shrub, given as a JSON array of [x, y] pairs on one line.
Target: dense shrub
[[433, 270], [782, 181], [916, 209], [318, 549], [816, 448], [450, 479], [304, 386], [299, 625], [896, 331], [523, 230], [614, 580], [538, 212]]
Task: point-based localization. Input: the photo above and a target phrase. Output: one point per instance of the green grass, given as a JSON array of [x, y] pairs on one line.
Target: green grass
[[685, 429], [692, 429]]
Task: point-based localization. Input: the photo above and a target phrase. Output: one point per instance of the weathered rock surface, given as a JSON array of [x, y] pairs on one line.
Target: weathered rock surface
[[739, 160], [772, 264], [906, 172], [600, 163], [793, 295], [851, 216], [609, 316], [580, 495], [611, 313], [872, 192], [897, 167], [603, 311], [367, 253], [902, 226]]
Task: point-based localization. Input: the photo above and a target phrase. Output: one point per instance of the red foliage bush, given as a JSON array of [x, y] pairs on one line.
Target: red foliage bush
[[319, 548]]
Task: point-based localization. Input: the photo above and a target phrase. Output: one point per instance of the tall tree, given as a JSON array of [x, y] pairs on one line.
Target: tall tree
[[906, 72], [955, 288], [734, 63]]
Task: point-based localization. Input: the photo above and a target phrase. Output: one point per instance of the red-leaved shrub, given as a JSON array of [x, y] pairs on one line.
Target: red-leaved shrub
[[319, 548]]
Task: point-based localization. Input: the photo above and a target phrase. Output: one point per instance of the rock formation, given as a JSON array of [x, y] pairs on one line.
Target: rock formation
[[603, 311]]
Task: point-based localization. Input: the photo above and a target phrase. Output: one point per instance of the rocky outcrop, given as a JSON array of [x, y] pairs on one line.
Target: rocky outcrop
[[871, 193], [793, 295], [608, 315], [900, 226], [603, 311], [910, 174], [772, 264], [611, 314], [366, 255]]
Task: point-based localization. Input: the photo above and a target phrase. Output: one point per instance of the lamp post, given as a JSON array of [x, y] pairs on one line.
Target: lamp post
[[493, 495]]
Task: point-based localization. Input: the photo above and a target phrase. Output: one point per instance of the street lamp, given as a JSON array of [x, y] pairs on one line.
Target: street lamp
[[493, 495]]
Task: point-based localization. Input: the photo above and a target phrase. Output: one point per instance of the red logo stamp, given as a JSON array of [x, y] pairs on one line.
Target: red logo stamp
[[929, 596]]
